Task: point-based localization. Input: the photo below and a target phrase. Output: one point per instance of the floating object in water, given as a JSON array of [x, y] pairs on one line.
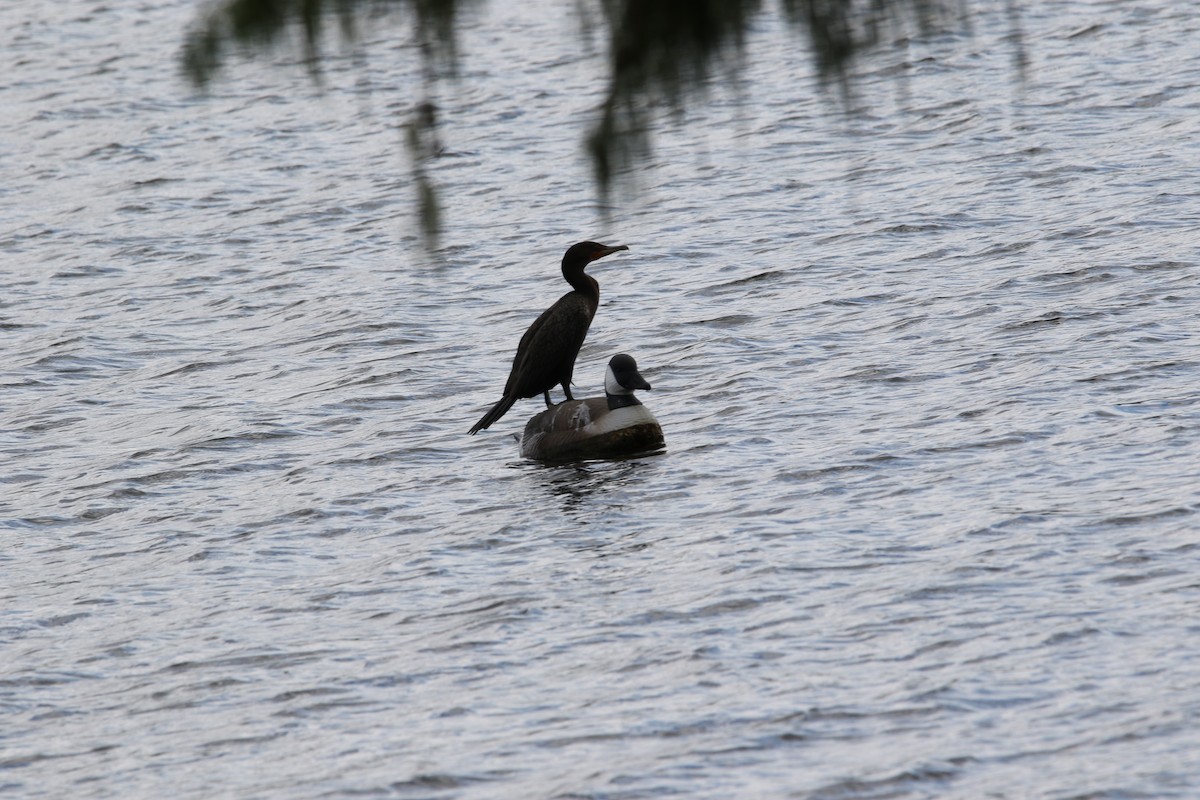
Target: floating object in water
[[597, 427]]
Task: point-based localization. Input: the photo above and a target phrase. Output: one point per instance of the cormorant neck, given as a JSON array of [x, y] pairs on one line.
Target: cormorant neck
[[581, 282], [616, 401]]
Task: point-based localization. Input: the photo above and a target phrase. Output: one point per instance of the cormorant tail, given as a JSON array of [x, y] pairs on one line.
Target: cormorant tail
[[497, 411]]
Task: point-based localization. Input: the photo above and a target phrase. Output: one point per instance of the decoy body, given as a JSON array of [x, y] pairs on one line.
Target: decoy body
[[546, 355], [597, 427]]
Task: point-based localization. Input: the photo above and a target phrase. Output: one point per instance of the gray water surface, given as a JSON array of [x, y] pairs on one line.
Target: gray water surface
[[927, 525]]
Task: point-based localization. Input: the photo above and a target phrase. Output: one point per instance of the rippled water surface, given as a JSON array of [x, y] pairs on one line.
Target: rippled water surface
[[927, 523]]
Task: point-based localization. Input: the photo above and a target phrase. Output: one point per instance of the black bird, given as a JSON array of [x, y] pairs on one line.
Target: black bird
[[546, 355]]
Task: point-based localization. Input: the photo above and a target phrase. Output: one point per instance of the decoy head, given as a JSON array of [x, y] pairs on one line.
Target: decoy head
[[622, 376]]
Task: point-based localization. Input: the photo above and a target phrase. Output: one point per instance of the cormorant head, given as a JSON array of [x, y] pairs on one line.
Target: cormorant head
[[584, 253], [622, 376]]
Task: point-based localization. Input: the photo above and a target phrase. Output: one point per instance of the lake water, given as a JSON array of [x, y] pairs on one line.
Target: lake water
[[927, 525]]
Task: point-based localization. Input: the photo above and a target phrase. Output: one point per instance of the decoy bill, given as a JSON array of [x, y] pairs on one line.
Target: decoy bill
[[546, 355], [597, 427]]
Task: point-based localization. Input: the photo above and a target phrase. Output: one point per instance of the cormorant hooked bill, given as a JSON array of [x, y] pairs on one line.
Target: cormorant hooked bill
[[546, 355]]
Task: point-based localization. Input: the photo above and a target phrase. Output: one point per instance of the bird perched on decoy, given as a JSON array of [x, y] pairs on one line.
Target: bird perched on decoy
[[546, 355], [597, 427]]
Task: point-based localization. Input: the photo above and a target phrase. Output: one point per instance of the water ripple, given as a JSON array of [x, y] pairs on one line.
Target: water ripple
[[925, 522]]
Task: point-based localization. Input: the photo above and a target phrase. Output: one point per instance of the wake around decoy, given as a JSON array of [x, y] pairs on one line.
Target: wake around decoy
[[546, 355], [597, 427]]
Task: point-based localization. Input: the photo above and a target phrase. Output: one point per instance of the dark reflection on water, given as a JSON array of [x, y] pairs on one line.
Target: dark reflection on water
[[575, 484], [925, 526]]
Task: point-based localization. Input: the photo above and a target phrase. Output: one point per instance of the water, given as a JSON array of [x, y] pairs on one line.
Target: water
[[927, 521]]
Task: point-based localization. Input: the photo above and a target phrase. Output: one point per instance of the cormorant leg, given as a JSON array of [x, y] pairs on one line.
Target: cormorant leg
[[567, 391], [547, 395]]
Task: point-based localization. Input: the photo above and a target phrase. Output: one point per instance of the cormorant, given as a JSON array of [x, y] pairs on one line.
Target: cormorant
[[597, 427], [546, 355]]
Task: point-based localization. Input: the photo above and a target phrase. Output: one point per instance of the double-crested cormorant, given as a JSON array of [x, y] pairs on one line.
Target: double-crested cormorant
[[597, 427], [546, 355]]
